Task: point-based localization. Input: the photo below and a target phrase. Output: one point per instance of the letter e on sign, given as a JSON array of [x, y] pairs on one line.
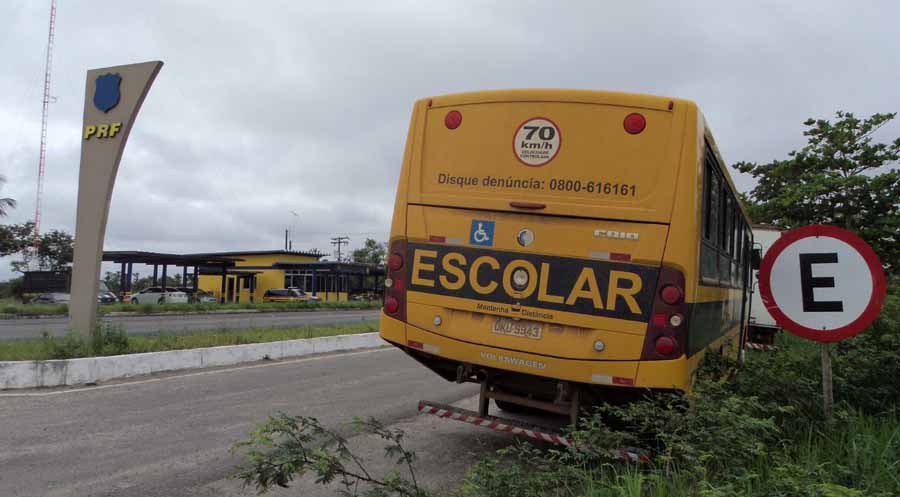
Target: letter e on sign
[[822, 283]]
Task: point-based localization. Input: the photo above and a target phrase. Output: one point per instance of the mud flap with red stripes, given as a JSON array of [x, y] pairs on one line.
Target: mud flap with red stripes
[[518, 428]]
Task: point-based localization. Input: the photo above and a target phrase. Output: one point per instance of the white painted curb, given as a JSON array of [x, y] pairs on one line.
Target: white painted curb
[[32, 374]]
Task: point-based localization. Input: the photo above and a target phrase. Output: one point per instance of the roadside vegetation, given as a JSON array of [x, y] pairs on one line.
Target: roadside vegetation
[[113, 340], [757, 430], [13, 309]]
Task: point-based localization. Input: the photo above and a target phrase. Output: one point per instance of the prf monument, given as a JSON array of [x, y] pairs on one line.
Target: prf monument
[[113, 97]]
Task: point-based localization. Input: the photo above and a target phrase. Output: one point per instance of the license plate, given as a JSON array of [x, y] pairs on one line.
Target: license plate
[[517, 328]]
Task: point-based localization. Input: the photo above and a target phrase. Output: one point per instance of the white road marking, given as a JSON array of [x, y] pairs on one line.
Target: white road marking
[[200, 373]]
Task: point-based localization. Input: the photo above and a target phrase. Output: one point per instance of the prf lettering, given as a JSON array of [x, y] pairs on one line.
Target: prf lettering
[[102, 130], [484, 275]]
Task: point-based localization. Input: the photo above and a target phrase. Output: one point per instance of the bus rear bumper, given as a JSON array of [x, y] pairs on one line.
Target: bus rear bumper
[[668, 374]]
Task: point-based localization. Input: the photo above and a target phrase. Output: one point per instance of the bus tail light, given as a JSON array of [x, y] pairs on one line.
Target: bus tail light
[[665, 346], [395, 281], [671, 294], [667, 329], [453, 119], [635, 123]]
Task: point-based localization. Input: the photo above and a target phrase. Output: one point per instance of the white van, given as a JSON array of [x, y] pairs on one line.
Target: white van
[[762, 325]]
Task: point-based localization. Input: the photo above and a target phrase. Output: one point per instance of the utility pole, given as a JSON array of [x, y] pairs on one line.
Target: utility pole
[[339, 241]]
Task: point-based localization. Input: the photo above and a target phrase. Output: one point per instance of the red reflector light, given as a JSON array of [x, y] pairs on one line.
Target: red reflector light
[[395, 262], [634, 123], [618, 380], [660, 320], [416, 345], [670, 294], [615, 256], [437, 239], [453, 119], [391, 305], [665, 345]]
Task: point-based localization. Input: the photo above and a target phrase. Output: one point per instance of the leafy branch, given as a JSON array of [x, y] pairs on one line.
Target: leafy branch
[[288, 447]]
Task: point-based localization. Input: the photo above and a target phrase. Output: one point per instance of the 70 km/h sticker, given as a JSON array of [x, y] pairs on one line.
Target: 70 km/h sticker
[[537, 141]]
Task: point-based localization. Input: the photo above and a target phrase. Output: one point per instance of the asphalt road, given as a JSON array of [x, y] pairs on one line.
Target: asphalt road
[[169, 436], [149, 324]]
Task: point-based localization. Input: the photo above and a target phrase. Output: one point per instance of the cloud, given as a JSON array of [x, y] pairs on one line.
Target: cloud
[[267, 108]]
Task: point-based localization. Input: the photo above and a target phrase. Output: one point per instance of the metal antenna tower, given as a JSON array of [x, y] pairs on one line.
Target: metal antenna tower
[[42, 161]]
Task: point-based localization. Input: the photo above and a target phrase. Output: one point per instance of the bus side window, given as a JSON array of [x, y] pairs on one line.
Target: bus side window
[[709, 257], [724, 238], [715, 207]]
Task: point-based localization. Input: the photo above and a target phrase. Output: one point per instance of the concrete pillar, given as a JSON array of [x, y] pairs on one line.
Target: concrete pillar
[[130, 269], [224, 273], [123, 274], [113, 96], [165, 267]]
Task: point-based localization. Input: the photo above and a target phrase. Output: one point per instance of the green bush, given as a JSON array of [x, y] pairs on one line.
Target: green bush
[[756, 431], [68, 347], [106, 340], [109, 340], [867, 366], [152, 308]]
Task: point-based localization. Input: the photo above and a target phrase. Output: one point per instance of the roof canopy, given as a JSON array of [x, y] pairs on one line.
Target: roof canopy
[[333, 267], [139, 257]]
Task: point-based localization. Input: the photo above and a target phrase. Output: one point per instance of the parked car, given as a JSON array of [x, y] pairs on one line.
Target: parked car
[[287, 295], [198, 297], [51, 298], [159, 295], [106, 297]]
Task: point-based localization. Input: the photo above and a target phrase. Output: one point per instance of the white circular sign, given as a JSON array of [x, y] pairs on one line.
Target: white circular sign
[[822, 283], [843, 284], [536, 141]]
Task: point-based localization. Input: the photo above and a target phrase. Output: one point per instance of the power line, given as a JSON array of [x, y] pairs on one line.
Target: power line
[[340, 241]]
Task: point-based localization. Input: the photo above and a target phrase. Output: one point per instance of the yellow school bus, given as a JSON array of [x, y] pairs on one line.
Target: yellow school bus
[[564, 247]]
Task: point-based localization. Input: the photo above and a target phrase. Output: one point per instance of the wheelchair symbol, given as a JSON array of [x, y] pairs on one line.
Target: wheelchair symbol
[[482, 232], [480, 235]]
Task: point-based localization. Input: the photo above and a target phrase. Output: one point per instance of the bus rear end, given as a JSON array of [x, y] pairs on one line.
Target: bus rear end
[[528, 244]]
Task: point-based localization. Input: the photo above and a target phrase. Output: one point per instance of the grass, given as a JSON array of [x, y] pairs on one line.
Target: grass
[[757, 431], [110, 340], [8, 309], [860, 457]]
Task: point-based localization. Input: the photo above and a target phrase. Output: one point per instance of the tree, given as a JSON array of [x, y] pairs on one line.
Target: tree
[[15, 238], [372, 252], [841, 177], [5, 202], [113, 280], [55, 248]]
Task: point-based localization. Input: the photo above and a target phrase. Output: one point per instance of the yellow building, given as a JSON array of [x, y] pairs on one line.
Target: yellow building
[[254, 272]]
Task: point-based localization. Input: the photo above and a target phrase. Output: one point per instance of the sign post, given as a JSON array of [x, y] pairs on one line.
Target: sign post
[[822, 283], [113, 96]]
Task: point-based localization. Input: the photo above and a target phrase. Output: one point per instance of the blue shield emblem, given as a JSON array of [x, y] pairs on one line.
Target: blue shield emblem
[[106, 91]]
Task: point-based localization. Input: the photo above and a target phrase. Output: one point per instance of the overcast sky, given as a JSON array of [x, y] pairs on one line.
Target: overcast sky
[[263, 108]]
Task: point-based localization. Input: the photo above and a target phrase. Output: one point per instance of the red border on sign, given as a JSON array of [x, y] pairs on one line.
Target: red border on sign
[[879, 285], [542, 164]]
